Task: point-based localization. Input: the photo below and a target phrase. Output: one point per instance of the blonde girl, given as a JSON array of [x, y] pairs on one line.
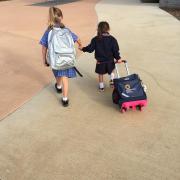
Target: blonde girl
[[61, 85]]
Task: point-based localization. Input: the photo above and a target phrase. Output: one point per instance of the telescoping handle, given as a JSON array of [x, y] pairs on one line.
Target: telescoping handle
[[126, 66]]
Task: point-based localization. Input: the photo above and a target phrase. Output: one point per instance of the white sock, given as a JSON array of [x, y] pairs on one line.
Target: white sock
[[101, 85], [59, 86], [65, 98], [112, 76]]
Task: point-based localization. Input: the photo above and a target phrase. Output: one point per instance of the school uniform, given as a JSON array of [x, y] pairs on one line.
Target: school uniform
[[106, 50], [70, 73]]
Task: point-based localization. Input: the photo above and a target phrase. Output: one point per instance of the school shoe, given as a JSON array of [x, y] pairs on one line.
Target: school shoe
[[57, 89], [111, 83], [101, 89], [65, 103]]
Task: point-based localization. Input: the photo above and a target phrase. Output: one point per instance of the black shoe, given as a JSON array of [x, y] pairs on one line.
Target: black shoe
[[57, 89], [65, 103], [101, 89]]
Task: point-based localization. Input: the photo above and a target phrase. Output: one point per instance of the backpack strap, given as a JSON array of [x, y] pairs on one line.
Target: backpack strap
[[51, 35], [78, 72], [53, 32]]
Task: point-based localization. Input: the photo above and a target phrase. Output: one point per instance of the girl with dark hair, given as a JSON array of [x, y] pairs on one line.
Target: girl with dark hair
[[106, 50]]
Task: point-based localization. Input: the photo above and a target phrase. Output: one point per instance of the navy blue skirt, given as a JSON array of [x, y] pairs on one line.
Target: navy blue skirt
[[105, 68]]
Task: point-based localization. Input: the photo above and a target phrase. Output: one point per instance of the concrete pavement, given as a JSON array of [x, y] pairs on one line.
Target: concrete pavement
[[91, 139], [22, 25]]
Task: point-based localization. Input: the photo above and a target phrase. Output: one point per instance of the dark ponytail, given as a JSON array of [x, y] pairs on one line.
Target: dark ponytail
[[103, 27]]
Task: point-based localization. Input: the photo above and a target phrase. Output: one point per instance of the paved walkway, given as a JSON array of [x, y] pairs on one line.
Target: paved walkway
[[91, 140], [22, 74]]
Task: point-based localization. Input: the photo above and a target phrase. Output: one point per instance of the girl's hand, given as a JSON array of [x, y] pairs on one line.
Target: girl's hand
[[79, 44], [44, 53], [121, 61], [46, 63], [80, 47]]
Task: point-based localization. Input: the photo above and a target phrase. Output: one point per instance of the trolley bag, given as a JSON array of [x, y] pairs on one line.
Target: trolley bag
[[129, 91]]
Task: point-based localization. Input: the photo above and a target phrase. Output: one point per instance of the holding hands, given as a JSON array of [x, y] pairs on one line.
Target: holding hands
[[121, 61], [80, 47], [79, 44]]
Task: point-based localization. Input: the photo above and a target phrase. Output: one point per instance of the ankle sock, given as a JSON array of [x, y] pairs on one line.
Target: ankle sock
[[64, 98], [101, 85], [59, 86]]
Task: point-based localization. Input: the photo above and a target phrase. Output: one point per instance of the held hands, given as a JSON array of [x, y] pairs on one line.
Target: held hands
[[80, 47], [79, 44], [121, 61]]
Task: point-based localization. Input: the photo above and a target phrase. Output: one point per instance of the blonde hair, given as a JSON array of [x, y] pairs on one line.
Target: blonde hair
[[55, 15]]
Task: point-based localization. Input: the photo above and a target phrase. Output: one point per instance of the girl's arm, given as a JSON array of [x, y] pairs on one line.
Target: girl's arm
[[90, 48], [44, 53], [44, 43], [116, 52], [76, 39], [79, 43]]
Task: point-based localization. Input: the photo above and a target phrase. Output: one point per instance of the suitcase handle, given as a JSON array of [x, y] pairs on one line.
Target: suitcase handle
[[126, 66]]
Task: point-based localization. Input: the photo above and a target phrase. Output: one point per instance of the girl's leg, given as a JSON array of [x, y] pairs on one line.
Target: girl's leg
[[101, 82], [58, 85], [111, 82], [65, 101], [112, 75], [101, 79], [59, 82], [65, 88]]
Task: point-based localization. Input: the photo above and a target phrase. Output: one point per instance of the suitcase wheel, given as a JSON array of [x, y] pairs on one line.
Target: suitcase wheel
[[123, 110], [139, 107]]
